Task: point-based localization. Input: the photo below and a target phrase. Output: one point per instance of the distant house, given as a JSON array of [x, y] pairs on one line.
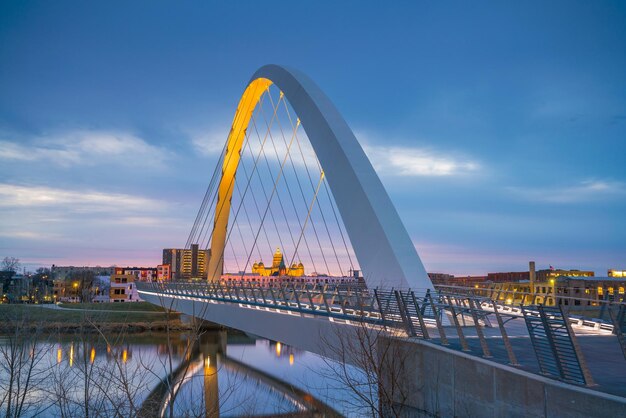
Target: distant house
[[123, 288], [142, 274]]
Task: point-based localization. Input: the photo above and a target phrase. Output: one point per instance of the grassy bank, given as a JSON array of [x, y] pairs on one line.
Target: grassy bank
[[135, 306], [77, 317]]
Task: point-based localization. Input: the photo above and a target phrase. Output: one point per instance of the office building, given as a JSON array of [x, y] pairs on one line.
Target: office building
[[187, 263]]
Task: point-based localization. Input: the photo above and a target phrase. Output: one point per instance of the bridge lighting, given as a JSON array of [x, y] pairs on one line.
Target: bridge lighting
[[59, 355], [92, 355], [124, 356], [384, 250], [279, 348], [291, 359], [207, 362], [72, 355]]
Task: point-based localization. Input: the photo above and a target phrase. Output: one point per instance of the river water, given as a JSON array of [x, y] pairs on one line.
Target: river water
[[220, 373]]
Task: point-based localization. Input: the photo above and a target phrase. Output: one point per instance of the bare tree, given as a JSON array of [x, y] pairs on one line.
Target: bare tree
[[367, 366], [82, 282], [10, 264], [22, 370], [91, 388]]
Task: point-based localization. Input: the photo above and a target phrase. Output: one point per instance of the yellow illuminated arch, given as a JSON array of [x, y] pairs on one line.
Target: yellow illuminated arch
[[380, 241]]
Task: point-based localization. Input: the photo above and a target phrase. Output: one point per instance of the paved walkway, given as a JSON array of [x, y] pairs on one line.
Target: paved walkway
[[600, 348], [57, 307]]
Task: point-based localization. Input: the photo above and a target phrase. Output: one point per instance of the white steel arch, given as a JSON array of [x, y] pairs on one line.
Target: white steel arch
[[380, 241]]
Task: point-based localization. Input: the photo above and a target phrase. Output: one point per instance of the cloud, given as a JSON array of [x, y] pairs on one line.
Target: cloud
[[16, 196], [388, 160], [210, 142], [22, 234], [413, 161], [86, 148], [584, 191]]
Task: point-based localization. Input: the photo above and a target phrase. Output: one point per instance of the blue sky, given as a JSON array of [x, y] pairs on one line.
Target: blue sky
[[499, 128]]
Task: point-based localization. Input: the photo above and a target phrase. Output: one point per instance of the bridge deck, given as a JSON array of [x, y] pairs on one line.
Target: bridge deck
[[425, 317]]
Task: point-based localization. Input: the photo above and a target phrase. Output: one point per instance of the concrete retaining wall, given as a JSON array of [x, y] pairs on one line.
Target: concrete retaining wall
[[448, 383]]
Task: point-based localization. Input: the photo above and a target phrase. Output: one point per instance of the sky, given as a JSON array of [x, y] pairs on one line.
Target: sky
[[498, 128]]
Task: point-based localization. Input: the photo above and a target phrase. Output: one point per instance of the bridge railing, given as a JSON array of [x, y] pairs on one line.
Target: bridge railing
[[582, 310], [466, 312], [336, 301]]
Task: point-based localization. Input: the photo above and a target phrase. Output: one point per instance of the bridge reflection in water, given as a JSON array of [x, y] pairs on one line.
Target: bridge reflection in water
[[207, 358]]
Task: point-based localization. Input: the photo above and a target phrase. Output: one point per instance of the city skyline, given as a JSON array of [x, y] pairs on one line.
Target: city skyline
[[108, 139]]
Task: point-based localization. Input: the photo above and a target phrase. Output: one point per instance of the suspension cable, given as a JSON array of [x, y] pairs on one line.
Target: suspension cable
[[294, 129], [280, 173], [291, 198], [230, 184], [245, 192], [313, 188], [205, 199], [271, 212], [308, 215]]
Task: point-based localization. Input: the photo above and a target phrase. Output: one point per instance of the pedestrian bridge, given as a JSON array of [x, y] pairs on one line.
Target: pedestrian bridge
[[317, 317], [292, 173]]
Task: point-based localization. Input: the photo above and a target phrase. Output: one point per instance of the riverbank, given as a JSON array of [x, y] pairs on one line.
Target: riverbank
[[91, 317]]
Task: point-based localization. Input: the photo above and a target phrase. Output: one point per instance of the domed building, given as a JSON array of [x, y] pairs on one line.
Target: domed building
[[278, 267]]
